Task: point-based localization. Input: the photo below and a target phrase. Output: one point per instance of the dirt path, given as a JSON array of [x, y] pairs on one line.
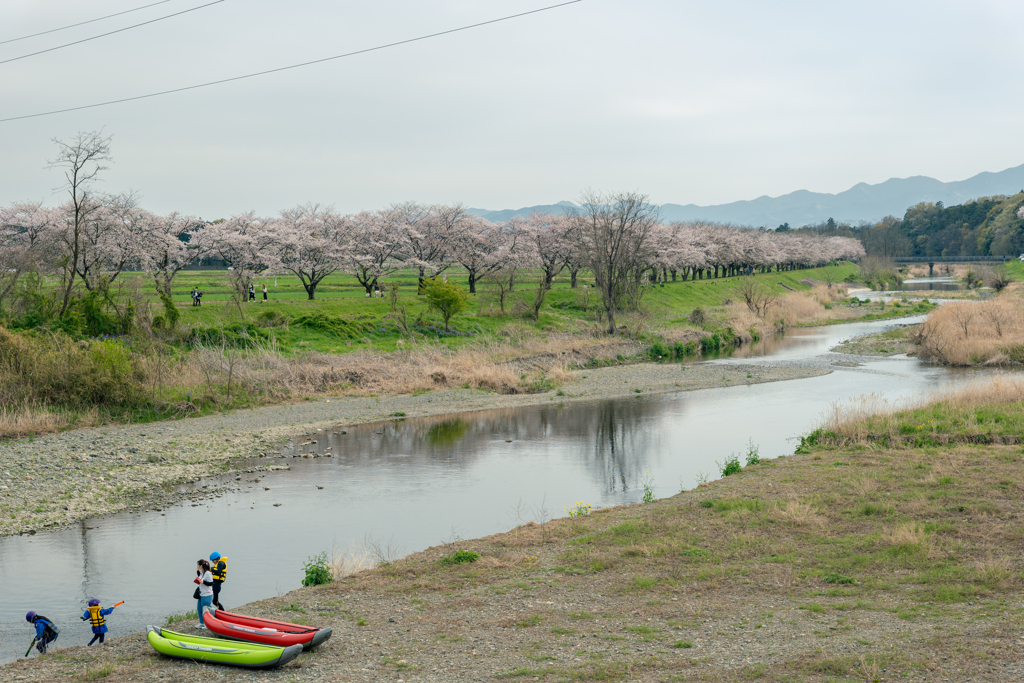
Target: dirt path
[[61, 478]]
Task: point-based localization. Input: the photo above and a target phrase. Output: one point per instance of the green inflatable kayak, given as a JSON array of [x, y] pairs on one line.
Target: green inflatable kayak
[[215, 650]]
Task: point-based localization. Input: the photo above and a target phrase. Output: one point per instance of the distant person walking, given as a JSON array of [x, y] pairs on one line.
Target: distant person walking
[[199, 298], [204, 593], [252, 292], [264, 291], [195, 296]]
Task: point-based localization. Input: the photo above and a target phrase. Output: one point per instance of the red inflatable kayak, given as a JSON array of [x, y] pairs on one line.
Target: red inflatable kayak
[[253, 630]]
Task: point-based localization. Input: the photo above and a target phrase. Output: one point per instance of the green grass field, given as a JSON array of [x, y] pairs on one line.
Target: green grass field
[[340, 299]]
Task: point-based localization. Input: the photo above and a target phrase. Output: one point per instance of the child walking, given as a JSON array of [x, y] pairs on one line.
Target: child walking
[[95, 615]]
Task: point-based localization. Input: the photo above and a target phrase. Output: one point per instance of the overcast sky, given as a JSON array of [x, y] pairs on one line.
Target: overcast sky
[[703, 102]]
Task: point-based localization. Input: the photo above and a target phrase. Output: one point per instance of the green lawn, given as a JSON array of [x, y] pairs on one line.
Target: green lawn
[[341, 297]]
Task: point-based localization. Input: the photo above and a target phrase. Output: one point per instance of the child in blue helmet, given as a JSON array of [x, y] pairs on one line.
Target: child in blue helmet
[[95, 615], [219, 571], [46, 632]]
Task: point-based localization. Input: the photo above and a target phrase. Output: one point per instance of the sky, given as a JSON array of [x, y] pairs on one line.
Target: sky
[[688, 102]]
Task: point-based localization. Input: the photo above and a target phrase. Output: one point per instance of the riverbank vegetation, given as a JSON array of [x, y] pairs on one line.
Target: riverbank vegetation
[[869, 558], [989, 332]]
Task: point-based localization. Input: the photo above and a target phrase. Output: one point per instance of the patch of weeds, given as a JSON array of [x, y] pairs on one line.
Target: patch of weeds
[[101, 672], [838, 578], [294, 607], [579, 616], [529, 621], [683, 644], [730, 466], [644, 582], [460, 557], [562, 631], [813, 607]]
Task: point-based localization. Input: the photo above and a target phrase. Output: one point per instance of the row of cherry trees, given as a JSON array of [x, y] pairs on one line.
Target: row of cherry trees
[[115, 234]]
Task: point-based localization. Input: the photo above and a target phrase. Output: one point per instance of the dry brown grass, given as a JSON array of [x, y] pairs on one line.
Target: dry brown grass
[[984, 333], [788, 310], [945, 414], [17, 422]]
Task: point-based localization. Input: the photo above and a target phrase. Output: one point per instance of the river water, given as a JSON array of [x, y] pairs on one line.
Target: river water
[[407, 485]]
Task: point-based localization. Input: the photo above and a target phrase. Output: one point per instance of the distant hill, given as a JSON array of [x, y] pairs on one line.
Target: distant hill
[[861, 203]]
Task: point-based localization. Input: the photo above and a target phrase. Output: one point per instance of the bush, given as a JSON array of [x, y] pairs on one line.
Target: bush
[[318, 570], [730, 466], [460, 557], [698, 316], [57, 370], [345, 328], [448, 298]]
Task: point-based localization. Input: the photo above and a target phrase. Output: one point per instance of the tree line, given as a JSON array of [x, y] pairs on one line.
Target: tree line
[[90, 239]]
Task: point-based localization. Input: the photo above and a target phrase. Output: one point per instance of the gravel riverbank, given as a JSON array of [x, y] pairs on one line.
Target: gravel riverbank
[[59, 479]]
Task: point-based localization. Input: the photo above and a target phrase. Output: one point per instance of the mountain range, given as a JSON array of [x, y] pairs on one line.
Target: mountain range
[[861, 203]]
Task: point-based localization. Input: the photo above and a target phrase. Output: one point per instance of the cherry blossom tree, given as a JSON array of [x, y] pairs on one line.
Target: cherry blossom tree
[[245, 242], [169, 244], [549, 234], [376, 244], [308, 241], [432, 236]]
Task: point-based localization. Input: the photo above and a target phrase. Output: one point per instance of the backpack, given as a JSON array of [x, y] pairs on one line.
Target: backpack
[[50, 631]]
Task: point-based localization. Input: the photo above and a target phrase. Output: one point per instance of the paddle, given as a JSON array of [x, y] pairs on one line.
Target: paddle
[[30, 646], [117, 605]]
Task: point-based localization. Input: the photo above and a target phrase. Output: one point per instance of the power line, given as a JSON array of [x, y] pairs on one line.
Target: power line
[[110, 33], [81, 23], [293, 66]]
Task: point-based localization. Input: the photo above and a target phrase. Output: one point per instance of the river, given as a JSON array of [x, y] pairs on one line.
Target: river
[[407, 485]]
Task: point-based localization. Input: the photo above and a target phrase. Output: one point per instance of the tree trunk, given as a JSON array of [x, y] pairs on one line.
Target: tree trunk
[[419, 286], [472, 282], [572, 279], [310, 290]]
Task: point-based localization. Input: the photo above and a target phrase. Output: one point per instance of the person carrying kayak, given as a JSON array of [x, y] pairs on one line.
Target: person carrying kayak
[[95, 615], [46, 632], [219, 571]]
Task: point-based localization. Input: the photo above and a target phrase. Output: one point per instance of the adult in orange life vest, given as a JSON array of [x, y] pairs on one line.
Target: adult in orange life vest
[[219, 569], [95, 616]]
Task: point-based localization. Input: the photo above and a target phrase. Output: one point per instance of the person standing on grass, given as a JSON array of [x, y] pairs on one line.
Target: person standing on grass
[[264, 292], [193, 295], [252, 292], [205, 591]]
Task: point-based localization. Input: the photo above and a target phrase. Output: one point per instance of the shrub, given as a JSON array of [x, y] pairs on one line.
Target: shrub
[[753, 453], [460, 557], [730, 466], [698, 317], [345, 328], [318, 570], [448, 298]]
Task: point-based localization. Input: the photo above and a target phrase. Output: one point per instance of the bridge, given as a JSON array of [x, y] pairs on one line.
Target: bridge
[[932, 260]]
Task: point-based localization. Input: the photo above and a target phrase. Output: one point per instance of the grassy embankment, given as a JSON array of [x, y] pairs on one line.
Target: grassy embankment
[[223, 356], [883, 551]]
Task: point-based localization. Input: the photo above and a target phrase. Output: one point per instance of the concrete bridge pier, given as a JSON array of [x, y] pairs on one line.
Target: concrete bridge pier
[[931, 270]]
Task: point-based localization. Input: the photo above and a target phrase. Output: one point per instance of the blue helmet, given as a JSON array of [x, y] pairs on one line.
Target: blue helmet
[[214, 557], [30, 616], [94, 602]]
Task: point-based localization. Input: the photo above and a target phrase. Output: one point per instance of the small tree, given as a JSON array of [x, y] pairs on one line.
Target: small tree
[[447, 297]]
